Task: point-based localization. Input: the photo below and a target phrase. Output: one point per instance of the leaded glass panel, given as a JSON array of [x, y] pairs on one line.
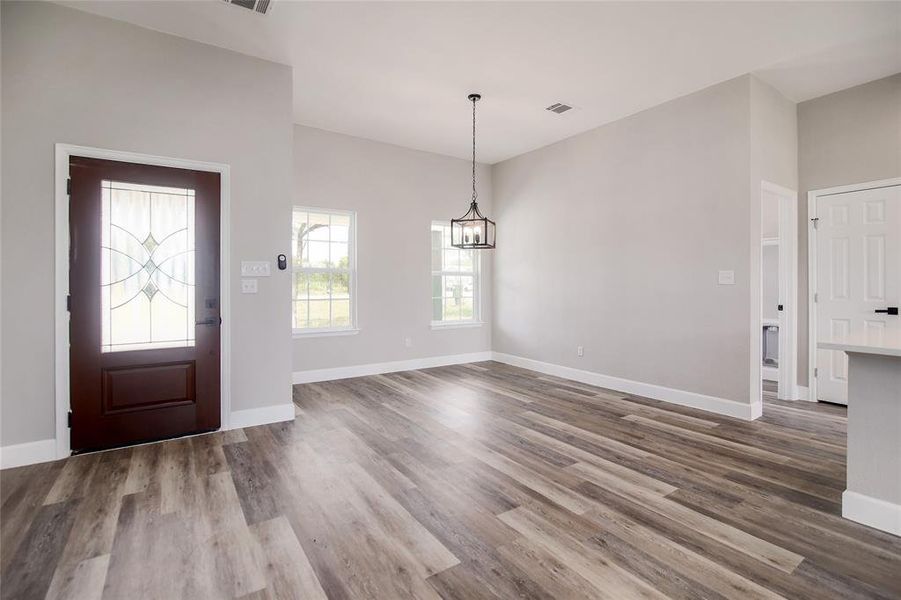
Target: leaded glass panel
[[147, 279]]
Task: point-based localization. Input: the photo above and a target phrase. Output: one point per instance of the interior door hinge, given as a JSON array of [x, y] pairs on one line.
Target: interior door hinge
[[816, 296], [69, 419], [69, 186], [816, 373], [69, 303]]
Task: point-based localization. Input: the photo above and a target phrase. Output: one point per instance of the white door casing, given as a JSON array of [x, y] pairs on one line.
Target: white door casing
[[857, 272]]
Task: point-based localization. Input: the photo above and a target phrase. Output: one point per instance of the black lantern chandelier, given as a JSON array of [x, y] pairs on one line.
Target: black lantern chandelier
[[472, 230]]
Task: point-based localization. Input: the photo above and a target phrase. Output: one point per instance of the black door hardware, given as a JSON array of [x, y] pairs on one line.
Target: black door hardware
[[891, 310], [779, 307], [210, 321], [282, 262]]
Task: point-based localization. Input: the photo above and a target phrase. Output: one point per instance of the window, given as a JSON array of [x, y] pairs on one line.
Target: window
[[455, 280], [147, 282], [324, 271]]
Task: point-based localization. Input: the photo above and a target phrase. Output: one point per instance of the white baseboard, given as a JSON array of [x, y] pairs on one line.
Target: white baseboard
[[722, 406], [261, 416], [19, 455], [45, 450], [756, 409], [872, 512], [30, 453], [315, 375], [803, 393]]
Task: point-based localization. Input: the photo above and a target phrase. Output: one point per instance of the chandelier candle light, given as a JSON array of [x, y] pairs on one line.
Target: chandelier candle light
[[472, 230]]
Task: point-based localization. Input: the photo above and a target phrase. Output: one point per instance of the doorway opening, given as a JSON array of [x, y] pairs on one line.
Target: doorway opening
[[121, 398], [778, 246]]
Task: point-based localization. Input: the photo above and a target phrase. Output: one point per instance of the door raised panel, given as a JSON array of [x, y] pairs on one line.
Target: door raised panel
[[873, 329], [874, 212], [839, 277], [125, 389], [874, 268], [838, 215]]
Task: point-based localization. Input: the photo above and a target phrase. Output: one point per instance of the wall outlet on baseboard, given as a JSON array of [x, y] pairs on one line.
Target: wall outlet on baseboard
[[580, 351]]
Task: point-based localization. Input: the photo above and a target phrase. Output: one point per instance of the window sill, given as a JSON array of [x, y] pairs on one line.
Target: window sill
[[456, 325], [314, 333]]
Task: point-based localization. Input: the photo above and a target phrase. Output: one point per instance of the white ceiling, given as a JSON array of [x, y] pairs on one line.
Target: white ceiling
[[400, 72]]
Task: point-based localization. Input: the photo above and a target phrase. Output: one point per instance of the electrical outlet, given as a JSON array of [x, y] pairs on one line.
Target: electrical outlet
[[248, 286], [580, 351], [408, 342]]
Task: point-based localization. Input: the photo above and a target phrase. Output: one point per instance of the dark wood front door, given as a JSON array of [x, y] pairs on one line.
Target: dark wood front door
[[144, 306]]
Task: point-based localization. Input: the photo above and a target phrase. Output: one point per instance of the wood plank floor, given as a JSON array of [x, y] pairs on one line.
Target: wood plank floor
[[472, 481]]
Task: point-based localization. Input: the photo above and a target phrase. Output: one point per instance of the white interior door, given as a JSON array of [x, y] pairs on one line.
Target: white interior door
[[858, 276]]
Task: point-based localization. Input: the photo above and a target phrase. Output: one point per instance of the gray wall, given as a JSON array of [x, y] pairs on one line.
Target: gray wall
[[612, 240], [851, 136], [396, 191], [80, 79], [774, 136]]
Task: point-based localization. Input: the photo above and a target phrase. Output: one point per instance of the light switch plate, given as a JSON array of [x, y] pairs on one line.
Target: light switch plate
[[248, 286], [726, 278], [255, 268]]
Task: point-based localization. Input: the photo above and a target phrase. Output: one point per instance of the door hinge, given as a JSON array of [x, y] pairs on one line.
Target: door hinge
[[69, 186], [816, 372], [69, 419], [816, 296], [69, 303]]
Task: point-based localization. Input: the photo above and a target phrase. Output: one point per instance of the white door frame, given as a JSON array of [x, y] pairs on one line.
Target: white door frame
[[812, 197], [61, 288], [788, 289]]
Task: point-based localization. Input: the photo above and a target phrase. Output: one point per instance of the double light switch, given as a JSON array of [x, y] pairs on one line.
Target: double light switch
[[252, 269]]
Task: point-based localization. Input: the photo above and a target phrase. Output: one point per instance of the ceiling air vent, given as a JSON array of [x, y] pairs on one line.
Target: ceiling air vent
[[257, 6], [559, 108]]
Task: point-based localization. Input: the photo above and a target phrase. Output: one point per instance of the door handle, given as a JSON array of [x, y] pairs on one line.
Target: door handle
[[891, 310], [210, 321]]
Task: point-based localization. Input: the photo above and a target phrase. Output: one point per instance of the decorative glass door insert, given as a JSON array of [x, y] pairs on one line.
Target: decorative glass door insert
[[147, 267]]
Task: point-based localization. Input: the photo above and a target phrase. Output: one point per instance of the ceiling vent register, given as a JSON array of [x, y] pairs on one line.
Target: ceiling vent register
[[559, 108], [257, 6]]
